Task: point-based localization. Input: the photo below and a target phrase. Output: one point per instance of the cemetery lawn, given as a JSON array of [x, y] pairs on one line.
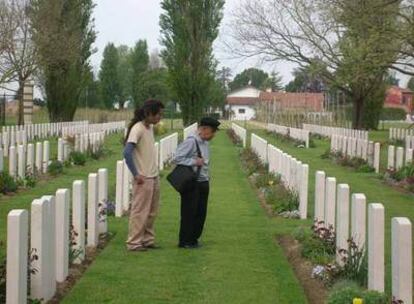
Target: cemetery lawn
[[397, 203], [239, 262]]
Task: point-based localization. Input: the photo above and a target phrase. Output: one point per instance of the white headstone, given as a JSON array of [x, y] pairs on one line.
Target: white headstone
[[402, 284], [103, 199], [17, 248], [40, 238], [51, 222], [358, 219], [342, 215], [320, 196], [93, 230], [119, 188], [21, 163], [303, 193], [377, 157], [46, 155], [39, 157], [376, 247], [13, 161], [391, 157], [31, 158], [330, 201], [399, 163], [126, 188], [62, 234], [78, 220]]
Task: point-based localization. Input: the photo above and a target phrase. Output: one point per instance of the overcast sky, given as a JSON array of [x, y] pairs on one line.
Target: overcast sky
[[126, 21]]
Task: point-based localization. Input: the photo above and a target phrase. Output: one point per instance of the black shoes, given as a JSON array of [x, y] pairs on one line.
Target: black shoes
[[190, 246]]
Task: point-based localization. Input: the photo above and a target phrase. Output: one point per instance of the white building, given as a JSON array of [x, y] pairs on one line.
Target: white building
[[241, 103]]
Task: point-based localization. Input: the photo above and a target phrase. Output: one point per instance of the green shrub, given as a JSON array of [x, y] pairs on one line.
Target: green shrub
[[266, 180], [346, 291], [30, 180], [55, 168], [405, 172], [318, 243], [355, 264], [393, 114], [78, 158], [7, 183]]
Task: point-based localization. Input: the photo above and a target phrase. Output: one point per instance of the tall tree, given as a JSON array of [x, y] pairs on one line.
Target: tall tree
[[139, 62], [273, 83], [306, 79], [155, 62], [63, 33], [124, 75], [189, 29], [109, 77], [224, 76], [355, 43], [19, 56], [254, 77]]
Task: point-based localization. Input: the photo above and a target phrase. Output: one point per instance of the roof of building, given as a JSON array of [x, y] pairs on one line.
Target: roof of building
[[242, 101]]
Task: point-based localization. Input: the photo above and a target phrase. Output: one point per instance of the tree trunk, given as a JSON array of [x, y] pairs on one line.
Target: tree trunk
[[358, 113], [20, 96]]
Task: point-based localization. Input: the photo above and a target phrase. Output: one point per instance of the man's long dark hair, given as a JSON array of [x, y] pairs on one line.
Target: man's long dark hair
[[150, 107]]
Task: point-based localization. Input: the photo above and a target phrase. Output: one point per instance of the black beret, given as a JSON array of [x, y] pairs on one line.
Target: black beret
[[209, 122]]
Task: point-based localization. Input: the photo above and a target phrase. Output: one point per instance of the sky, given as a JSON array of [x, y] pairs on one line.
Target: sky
[[127, 21]]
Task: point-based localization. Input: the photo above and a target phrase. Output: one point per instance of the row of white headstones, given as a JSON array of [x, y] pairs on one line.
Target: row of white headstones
[[21, 135], [295, 133], [50, 231], [107, 127], [356, 147], [26, 157], [332, 207], [241, 133], [400, 133], [398, 157], [327, 131], [294, 174]]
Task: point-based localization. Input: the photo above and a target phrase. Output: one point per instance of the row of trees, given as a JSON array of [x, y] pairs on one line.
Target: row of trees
[[349, 45], [131, 74]]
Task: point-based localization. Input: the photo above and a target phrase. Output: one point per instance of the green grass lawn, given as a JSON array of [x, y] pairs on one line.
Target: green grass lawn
[[239, 262], [397, 203]]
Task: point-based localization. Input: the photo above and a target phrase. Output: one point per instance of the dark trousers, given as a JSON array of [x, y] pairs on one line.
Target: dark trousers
[[193, 212]]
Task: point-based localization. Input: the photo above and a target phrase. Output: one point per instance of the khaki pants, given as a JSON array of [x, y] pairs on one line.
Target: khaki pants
[[144, 209]]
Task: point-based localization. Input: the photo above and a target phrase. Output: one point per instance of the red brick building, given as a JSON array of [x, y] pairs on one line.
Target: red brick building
[[400, 98]]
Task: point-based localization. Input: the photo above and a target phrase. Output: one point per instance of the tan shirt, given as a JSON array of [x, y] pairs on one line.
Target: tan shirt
[[145, 156]]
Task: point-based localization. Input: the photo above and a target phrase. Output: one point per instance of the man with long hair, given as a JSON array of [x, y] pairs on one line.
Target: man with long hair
[[141, 159]]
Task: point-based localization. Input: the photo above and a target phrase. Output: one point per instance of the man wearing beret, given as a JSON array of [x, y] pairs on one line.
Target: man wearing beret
[[194, 199]]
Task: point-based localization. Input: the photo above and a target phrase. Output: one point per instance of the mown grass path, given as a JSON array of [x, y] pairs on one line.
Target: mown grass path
[[239, 262]]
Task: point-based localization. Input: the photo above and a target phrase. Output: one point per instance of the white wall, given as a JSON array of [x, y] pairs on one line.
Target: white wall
[[249, 114]]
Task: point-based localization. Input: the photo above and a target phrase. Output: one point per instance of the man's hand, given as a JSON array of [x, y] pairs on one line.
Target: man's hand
[[199, 162], [139, 179]]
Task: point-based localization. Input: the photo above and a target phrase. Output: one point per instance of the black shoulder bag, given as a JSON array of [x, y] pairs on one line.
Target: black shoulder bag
[[183, 176]]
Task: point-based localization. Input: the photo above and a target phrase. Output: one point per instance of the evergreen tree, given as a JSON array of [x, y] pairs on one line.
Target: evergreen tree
[[108, 76]]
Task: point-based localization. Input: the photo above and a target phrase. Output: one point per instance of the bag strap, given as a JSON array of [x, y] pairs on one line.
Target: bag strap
[[198, 149], [199, 155]]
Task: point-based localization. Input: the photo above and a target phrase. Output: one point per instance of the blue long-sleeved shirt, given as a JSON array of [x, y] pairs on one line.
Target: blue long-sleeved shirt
[[186, 155], [129, 158]]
